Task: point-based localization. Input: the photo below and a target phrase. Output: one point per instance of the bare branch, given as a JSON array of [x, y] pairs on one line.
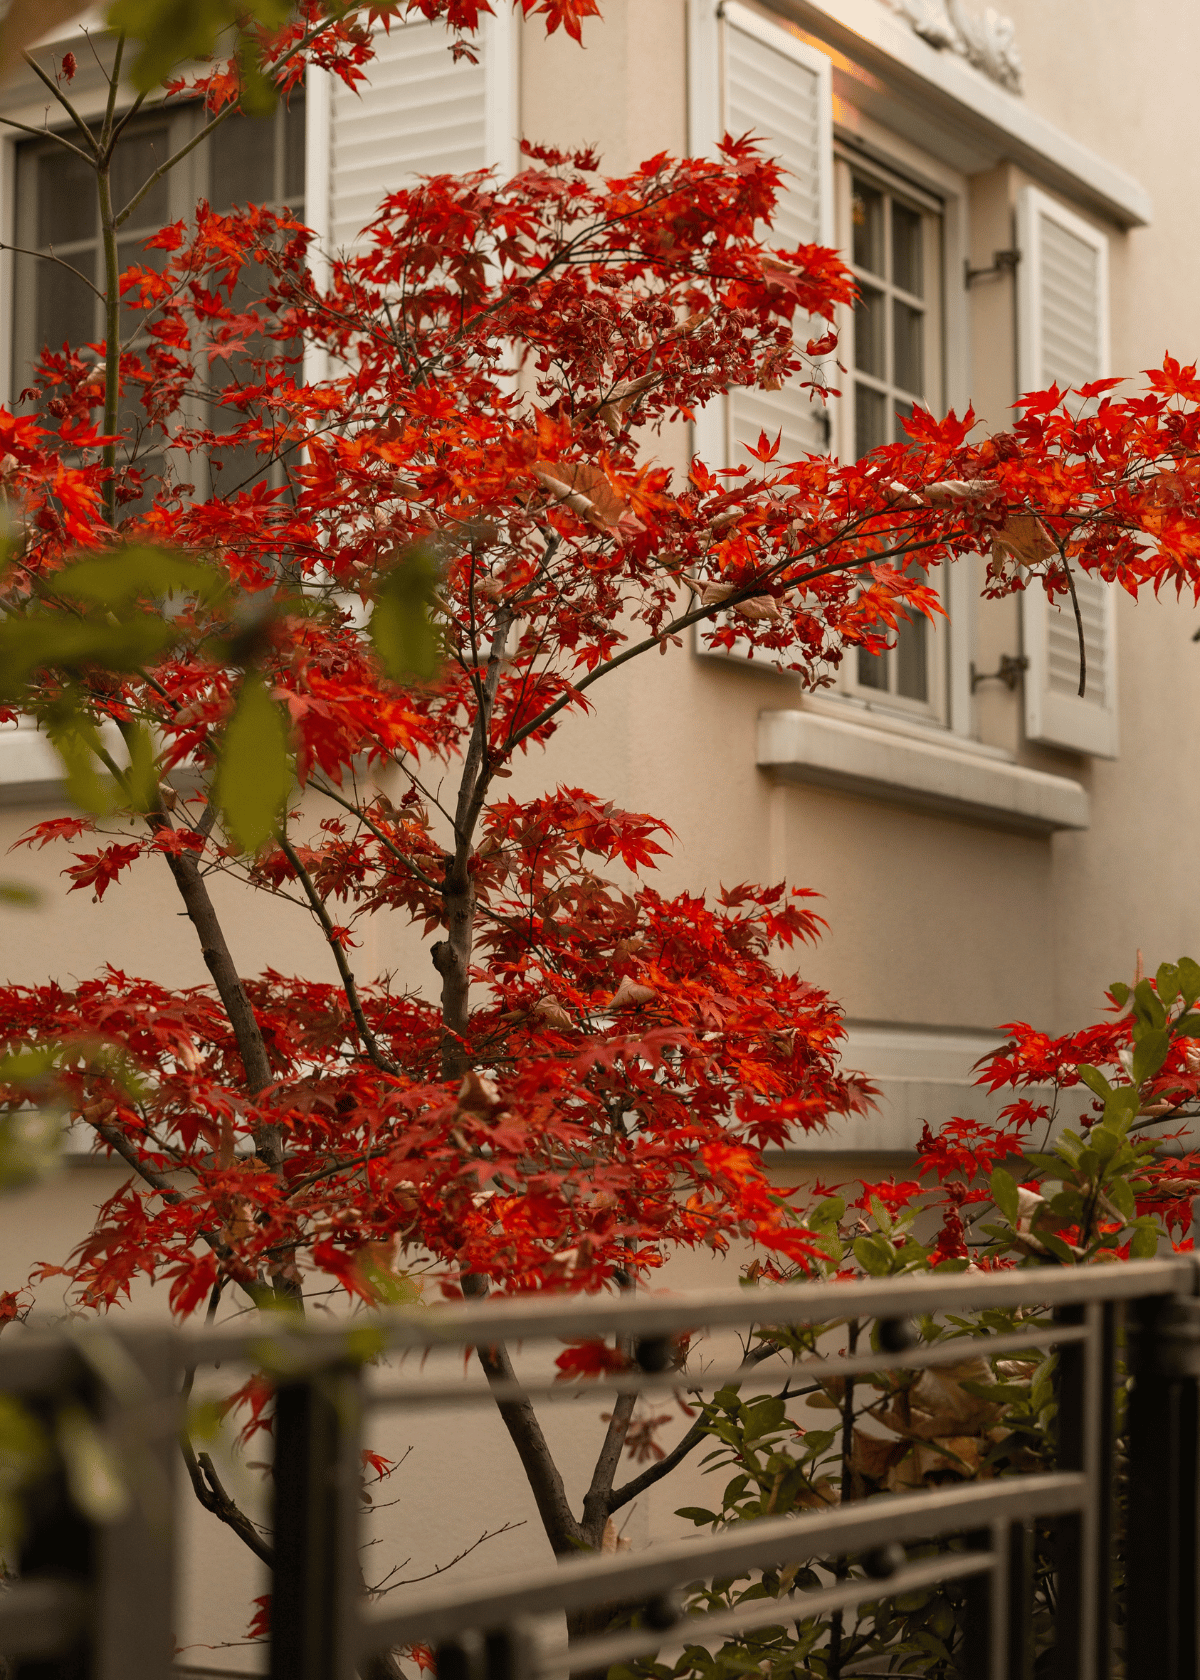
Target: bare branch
[[349, 985]]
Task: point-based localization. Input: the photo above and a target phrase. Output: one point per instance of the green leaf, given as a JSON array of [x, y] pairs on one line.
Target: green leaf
[[693, 1513], [116, 581], [77, 742], [141, 777], [1004, 1194], [254, 773], [1143, 1245], [30, 1146], [1120, 992], [1104, 1142], [1189, 980], [1166, 982], [1147, 1005], [93, 1475], [407, 643], [19, 896], [874, 1254], [1121, 1197], [56, 641], [1150, 1052], [171, 31], [1094, 1080]]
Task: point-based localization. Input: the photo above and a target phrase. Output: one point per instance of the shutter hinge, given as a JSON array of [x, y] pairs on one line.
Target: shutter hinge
[[1002, 261]]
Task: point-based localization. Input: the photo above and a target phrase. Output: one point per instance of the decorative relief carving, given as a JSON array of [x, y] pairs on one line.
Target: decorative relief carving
[[987, 40]]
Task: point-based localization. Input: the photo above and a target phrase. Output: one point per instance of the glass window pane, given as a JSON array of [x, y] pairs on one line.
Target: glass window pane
[[872, 670], [867, 219], [870, 353], [907, 250], [908, 341], [293, 147], [912, 678], [137, 156], [870, 419], [242, 162], [66, 307], [66, 199]]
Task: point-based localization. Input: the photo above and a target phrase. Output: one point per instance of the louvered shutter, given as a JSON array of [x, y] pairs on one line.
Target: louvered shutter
[[420, 113], [779, 88], [1063, 326]]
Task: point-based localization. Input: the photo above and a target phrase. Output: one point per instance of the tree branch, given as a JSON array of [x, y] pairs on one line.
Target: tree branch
[[349, 986], [525, 1432], [62, 99]]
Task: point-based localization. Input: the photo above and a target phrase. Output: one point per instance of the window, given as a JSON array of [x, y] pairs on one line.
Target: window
[[892, 347], [245, 160]]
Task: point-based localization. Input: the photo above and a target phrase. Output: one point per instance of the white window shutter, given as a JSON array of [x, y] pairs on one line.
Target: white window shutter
[[773, 85], [1062, 292], [420, 113]]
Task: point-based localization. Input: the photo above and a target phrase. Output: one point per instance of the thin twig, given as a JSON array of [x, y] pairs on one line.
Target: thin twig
[[48, 256], [349, 985]]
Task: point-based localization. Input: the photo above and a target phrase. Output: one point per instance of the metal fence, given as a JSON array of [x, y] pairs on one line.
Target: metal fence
[[96, 1599]]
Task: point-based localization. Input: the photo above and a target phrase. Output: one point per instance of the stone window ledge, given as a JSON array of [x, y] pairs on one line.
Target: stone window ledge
[[930, 775]]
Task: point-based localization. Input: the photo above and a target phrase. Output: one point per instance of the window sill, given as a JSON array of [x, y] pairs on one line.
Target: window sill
[[30, 770], [926, 775]]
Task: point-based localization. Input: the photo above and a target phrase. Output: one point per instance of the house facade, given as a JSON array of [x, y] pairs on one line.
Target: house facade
[[988, 845], [1014, 200]]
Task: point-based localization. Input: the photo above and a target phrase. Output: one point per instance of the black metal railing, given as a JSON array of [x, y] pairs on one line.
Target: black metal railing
[[95, 1598]]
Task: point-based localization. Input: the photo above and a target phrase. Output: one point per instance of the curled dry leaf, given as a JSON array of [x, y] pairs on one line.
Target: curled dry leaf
[[711, 593], [961, 490], [584, 488], [477, 1094], [1024, 539], [759, 608], [552, 1011], [629, 994], [611, 1541]]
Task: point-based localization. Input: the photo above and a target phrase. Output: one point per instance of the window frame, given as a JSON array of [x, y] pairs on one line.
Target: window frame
[[862, 145]]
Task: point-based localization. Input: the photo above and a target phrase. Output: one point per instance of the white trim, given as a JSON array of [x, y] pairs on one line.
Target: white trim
[[1054, 718], [318, 139], [935, 774], [1066, 720], [502, 91], [1032, 205], [943, 91], [782, 41], [706, 124]]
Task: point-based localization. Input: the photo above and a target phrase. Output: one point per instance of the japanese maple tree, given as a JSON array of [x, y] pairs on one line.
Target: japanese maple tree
[[448, 541]]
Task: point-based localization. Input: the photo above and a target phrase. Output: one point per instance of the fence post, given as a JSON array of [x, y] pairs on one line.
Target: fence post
[[1083, 1540], [135, 1555], [1162, 1631], [316, 1582]]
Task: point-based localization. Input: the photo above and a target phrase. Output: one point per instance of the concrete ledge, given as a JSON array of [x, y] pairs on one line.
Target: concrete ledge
[[1000, 123], [30, 770], [924, 774]]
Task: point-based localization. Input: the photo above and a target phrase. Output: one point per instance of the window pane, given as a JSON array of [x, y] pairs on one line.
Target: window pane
[[66, 307], [867, 217], [869, 350], [242, 162], [906, 250], [908, 339], [66, 199], [136, 158], [912, 680], [872, 670], [870, 419]]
